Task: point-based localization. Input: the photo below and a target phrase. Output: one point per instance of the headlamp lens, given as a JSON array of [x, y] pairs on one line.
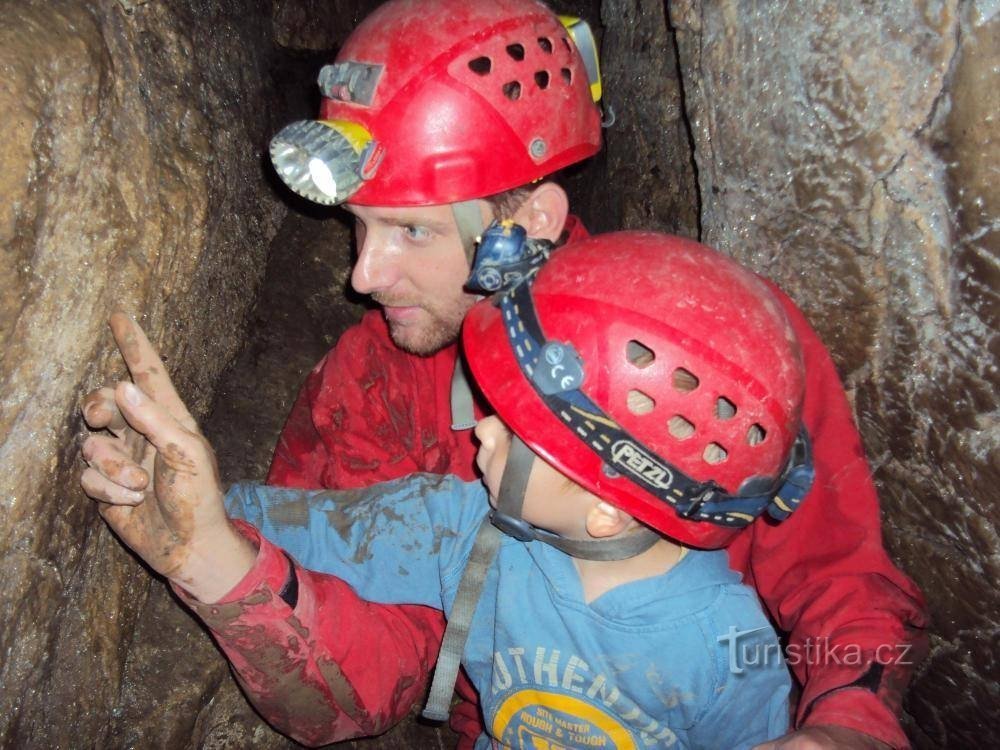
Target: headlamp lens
[[322, 160]]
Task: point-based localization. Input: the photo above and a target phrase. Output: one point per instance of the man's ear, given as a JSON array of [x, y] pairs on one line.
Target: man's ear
[[605, 520], [544, 212]]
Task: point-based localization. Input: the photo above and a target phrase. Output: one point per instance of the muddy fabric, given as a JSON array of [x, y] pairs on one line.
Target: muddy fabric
[[683, 659], [303, 679]]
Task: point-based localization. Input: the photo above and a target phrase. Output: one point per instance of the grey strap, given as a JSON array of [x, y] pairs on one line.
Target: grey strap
[[463, 415], [470, 588], [511, 502], [622, 548], [469, 220]]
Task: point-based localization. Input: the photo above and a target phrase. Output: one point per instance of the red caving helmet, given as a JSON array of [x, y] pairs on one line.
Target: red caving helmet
[[686, 366], [434, 102]]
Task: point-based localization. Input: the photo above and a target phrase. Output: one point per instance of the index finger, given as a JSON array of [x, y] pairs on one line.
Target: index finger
[[146, 367]]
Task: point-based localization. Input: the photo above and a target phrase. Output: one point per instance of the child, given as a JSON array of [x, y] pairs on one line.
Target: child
[[647, 394]]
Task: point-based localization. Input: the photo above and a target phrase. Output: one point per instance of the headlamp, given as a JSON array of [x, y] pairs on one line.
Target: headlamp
[[325, 161], [583, 37]]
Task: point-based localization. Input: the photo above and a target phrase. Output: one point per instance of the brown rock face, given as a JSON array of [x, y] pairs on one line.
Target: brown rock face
[[849, 151], [844, 151], [131, 177]]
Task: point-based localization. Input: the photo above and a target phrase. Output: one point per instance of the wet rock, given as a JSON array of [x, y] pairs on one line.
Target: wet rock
[[848, 152], [131, 178]]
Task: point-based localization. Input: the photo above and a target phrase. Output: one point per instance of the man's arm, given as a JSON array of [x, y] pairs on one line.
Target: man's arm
[[855, 622]]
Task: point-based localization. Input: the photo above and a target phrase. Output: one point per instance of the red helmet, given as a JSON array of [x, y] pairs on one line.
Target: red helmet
[[673, 367], [442, 101]]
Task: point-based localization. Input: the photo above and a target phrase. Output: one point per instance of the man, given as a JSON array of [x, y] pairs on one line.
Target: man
[[437, 116]]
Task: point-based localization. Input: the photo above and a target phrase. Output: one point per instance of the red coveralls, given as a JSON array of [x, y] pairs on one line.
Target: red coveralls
[[369, 412]]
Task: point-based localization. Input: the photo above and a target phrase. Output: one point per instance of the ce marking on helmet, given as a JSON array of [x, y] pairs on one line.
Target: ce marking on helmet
[[555, 355]]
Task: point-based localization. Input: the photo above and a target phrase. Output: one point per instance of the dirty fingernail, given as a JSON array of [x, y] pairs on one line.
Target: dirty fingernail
[[135, 497], [132, 395]]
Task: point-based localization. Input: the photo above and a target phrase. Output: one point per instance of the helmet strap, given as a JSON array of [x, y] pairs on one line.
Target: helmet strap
[[510, 504], [463, 413], [469, 220]]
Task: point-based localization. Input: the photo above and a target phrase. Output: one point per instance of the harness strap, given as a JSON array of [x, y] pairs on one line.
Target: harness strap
[[470, 588]]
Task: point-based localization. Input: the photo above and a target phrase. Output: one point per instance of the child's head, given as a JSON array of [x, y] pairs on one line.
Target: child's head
[[552, 501], [659, 375]]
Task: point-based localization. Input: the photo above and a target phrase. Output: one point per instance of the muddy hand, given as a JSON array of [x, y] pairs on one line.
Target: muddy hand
[[118, 458], [177, 523]]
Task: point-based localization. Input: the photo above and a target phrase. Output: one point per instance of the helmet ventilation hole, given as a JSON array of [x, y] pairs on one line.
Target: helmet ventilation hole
[[565, 42], [680, 427], [516, 51], [542, 79], [724, 408], [685, 381], [640, 403], [481, 66], [567, 74], [714, 453], [639, 355], [756, 434], [546, 44], [512, 90]]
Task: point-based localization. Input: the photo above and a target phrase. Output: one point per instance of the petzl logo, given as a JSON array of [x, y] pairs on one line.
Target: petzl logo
[[634, 459]]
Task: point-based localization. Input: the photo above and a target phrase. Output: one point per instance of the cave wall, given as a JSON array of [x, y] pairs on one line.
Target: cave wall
[[130, 178], [850, 152], [845, 150]]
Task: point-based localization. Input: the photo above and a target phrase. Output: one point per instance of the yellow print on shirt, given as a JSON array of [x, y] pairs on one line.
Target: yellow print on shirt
[[539, 720]]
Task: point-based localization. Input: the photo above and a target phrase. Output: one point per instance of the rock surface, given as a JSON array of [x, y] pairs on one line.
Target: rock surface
[[850, 153], [131, 178]]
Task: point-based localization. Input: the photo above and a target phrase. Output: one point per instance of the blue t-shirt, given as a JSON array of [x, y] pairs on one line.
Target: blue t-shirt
[[683, 659]]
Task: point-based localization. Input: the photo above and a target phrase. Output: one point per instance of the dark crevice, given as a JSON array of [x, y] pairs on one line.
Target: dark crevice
[[684, 116]]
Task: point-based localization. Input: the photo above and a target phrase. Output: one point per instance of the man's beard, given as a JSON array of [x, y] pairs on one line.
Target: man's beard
[[439, 331]]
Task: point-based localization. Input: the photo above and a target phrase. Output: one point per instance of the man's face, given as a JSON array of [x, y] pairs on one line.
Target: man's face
[[411, 261]]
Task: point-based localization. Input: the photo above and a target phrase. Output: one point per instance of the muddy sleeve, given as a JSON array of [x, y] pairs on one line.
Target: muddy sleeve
[[354, 422], [319, 663], [856, 624], [391, 542]]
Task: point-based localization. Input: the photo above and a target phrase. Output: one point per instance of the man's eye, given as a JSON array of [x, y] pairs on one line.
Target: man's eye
[[416, 233]]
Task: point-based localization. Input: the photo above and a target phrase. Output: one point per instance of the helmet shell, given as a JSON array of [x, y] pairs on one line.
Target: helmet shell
[[473, 98], [687, 350]]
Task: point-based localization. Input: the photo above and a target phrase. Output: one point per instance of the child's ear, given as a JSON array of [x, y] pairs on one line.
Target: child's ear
[[605, 520], [544, 213]]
